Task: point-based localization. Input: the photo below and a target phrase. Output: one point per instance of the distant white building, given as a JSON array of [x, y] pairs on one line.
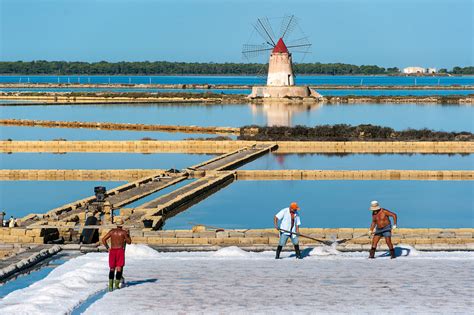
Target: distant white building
[[413, 70], [431, 70]]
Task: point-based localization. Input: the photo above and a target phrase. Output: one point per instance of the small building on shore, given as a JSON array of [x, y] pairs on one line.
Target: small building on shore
[[414, 70]]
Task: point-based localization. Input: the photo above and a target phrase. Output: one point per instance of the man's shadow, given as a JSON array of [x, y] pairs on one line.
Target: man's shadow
[[138, 282], [304, 253], [399, 251]]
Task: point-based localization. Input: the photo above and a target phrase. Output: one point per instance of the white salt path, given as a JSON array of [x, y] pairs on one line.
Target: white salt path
[[234, 281]]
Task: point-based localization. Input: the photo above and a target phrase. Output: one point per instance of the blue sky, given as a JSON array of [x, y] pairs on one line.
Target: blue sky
[[384, 32]]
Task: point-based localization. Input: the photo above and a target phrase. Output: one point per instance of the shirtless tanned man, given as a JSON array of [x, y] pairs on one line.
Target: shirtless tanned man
[[383, 227], [118, 238]]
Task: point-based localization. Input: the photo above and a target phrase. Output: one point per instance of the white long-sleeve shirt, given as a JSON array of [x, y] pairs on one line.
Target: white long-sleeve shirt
[[284, 216]]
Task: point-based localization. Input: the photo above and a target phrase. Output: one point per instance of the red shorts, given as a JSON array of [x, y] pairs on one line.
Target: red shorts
[[116, 257]]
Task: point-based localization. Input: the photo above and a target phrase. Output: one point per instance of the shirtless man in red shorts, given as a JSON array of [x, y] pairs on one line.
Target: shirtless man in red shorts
[[118, 238], [383, 227]]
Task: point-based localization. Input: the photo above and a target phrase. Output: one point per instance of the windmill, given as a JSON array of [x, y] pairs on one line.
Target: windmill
[[280, 77]]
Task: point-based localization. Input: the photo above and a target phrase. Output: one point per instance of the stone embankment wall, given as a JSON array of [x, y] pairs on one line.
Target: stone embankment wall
[[64, 98], [79, 175], [220, 147], [132, 175], [354, 175], [119, 126], [26, 259], [21, 236], [350, 239], [451, 99], [357, 239]]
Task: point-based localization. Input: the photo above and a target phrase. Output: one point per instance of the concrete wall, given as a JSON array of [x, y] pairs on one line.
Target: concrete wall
[[220, 147]]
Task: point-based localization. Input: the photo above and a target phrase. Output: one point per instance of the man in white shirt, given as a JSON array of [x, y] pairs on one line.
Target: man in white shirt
[[289, 220]]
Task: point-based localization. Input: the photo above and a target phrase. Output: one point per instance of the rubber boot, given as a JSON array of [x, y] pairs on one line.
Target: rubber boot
[[372, 252], [297, 252], [111, 285], [279, 248], [392, 254], [117, 284]]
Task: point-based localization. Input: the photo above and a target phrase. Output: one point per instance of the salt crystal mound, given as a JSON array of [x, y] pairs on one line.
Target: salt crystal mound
[[63, 289], [141, 251], [233, 252], [324, 251]]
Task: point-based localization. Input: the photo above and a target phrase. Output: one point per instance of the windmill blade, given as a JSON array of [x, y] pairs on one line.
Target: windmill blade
[[264, 32], [288, 25], [251, 51], [295, 46], [268, 26]]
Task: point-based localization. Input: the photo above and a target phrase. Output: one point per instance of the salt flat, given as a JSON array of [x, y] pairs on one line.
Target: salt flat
[[234, 281]]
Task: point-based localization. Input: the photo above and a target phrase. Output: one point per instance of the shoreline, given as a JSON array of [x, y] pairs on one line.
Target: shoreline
[[206, 86]]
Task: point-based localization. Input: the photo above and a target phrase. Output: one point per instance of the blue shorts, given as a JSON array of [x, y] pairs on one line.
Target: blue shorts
[[284, 238], [386, 231]]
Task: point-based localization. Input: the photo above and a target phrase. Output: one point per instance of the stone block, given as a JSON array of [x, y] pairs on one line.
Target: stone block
[[305, 241], [423, 241], [440, 240], [253, 233], [245, 240], [273, 240], [260, 240], [205, 234], [17, 232], [222, 234], [236, 234], [169, 240], [154, 240], [185, 240], [201, 241], [184, 234], [462, 234], [136, 233], [360, 241], [26, 239], [139, 239], [4, 231], [447, 234], [9, 238], [344, 235]]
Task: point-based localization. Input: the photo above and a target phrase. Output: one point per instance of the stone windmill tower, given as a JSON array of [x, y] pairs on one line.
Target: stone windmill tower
[[280, 77]]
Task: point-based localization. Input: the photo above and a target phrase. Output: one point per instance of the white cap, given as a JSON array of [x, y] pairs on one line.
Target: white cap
[[374, 205]]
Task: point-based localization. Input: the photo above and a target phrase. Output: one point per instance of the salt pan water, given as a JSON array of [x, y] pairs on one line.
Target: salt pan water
[[397, 116]]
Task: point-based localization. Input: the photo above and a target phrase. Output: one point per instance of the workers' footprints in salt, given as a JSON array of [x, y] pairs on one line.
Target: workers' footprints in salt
[[227, 281]]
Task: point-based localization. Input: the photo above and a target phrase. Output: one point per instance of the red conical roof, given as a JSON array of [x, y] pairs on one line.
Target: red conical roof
[[280, 47]]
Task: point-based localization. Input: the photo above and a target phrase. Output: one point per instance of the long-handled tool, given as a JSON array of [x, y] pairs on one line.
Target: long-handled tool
[[328, 243], [349, 239]]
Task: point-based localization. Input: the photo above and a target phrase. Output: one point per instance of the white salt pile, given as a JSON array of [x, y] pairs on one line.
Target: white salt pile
[[234, 281]]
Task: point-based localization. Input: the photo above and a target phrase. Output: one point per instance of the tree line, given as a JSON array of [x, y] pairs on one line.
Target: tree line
[[344, 132], [180, 68]]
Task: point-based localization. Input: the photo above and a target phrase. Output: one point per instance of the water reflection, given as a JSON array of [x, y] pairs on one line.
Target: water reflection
[[282, 114]]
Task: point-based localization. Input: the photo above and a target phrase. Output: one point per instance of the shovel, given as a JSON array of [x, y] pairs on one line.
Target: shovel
[[328, 243]]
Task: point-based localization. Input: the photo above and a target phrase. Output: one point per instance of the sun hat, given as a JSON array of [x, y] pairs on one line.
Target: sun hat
[[119, 221], [294, 206], [374, 206]]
